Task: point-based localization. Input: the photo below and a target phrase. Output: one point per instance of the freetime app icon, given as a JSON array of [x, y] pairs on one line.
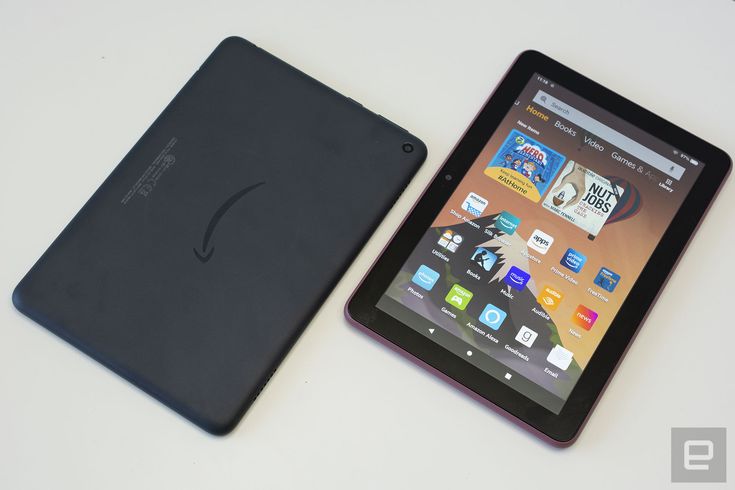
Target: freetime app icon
[[474, 204], [492, 316], [540, 241], [507, 223], [458, 297], [517, 278], [607, 279], [484, 258], [425, 277], [573, 260]]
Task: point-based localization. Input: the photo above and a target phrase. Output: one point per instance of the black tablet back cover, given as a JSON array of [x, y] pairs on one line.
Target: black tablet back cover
[[198, 262]]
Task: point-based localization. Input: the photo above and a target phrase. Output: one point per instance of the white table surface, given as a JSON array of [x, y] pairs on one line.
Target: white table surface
[[80, 82]]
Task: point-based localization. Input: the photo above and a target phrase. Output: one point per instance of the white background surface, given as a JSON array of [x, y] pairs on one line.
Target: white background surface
[[81, 81]]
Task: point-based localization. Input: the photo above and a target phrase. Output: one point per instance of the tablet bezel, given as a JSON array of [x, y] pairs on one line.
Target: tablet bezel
[[563, 428]]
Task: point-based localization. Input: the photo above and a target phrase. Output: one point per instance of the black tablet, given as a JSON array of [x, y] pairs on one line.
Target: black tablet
[[198, 262], [525, 269]]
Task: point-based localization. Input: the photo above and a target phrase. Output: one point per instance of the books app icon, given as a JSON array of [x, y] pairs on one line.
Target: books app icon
[[484, 258]]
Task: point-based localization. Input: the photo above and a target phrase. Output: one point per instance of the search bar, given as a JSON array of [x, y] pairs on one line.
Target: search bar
[[609, 134]]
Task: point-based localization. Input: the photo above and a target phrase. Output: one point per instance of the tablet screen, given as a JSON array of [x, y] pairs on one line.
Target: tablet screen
[[527, 264]]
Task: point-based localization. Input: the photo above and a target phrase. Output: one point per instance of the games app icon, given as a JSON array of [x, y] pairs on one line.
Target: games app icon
[[484, 258], [517, 278], [458, 297]]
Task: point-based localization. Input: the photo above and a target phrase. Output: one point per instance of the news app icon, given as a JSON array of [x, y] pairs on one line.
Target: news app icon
[[573, 260], [474, 204], [517, 278], [425, 277], [584, 317], [540, 241]]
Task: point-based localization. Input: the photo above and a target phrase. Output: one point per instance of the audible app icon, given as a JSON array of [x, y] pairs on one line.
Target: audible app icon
[[549, 298]]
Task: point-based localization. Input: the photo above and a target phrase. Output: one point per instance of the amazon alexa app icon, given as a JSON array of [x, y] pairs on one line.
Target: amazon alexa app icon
[[492, 316]]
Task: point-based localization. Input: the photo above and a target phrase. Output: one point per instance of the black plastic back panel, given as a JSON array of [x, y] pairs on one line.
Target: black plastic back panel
[[199, 261]]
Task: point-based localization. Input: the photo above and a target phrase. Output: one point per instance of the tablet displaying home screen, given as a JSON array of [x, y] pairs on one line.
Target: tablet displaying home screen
[[528, 262]]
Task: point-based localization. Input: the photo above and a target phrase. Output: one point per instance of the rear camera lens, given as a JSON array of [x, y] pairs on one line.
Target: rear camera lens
[[407, 147]]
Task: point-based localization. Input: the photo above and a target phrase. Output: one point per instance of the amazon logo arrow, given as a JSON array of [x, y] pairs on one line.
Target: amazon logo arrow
[[205, 255]]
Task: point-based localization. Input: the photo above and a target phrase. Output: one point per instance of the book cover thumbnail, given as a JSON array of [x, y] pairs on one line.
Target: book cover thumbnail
[[583, 198], [525, 165]]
